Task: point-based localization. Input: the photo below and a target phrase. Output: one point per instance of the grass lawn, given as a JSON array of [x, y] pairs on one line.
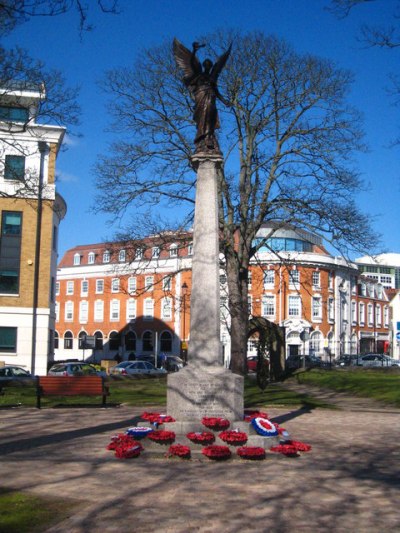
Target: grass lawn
[[26, 513], [377, 383]]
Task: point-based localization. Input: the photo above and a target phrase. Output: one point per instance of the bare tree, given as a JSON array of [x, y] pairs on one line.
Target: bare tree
[[15, 12], [287, 140]]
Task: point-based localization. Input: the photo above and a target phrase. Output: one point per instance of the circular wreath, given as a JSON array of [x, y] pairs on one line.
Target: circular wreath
[[300, 446], [139, 432], [251, 452], [233, 437], [216, 452], [264, 427], [120, 440], [149, 416], [157, 418], [215, 423], [162, 436], [204, 437], [285, 449], [128, 451], [179, 450], [249, 415]]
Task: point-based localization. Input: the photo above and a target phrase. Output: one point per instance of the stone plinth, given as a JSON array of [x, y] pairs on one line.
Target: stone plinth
[[196, 392]]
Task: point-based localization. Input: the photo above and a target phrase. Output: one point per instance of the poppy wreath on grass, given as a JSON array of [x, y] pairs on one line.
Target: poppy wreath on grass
[[264, 427], [162, 436], [233, 436], [249, 415], [120, 440], [251, 452], [203, 437], [285, 449], [300, 446], [139, 432], [128, 451], [216, 452], [216, 423], [179, 450]]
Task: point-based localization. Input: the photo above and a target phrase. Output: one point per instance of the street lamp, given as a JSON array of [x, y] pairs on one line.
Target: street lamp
[[184, 347]]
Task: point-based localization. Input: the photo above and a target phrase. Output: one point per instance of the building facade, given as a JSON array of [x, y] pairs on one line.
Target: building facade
[[135, 297], [31, 211]]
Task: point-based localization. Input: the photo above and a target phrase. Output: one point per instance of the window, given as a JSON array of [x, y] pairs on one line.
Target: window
[[386, 280], [10, 252], [362, 313], [91, 258], [386, 316], [56, 340], [148, 283], [106, 256], [98, 311], [99, 286], [148, 312], [155, 252], [315, 342], [114, 310], [173, 250], [363, 289], [147, 341], [57, 310], [378, 315], [14, 113], [371, 290], [166, 342], [166, 309], [55, 238], [132, 285], [70, 288], [69, 311], [130, 341], [330, 281], [331, 309], [114, 339], [77, 259], [83, 311], [98, 340], [14, 168], [250, 304], [57, 288], [131, 309], [249, 279], [316, 307], [84, 287], [122, 256], [370, 315], [139, 253], [115, 285], [269, 279], [52, 288], [82, 340], [68, 340], [268, 306], [316, 279], [354, 312], [294, 278], [190, 249], [8, 339], [167, 283], [294, 305]]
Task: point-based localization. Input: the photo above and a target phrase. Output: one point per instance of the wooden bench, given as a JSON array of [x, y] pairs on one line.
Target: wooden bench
[[71, 386]]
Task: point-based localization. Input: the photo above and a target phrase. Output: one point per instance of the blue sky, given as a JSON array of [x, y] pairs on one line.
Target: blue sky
[[115, 41]]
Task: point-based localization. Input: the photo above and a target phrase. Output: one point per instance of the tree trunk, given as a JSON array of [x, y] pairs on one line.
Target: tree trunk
[[238, 307]]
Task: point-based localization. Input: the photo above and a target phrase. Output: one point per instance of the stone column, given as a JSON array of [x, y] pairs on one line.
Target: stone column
[[204, 387]]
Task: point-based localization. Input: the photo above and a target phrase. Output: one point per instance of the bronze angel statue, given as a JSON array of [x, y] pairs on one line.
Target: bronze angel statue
[[201, 81]]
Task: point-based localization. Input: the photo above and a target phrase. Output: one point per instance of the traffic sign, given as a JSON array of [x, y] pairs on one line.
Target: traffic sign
[[398, 335]]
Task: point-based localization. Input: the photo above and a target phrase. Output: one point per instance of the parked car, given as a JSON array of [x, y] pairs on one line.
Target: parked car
[[377, 360], [127, 368], [74, 369], [12, 372], [347, 360], [296, 361], [173, 363], [252, 363]]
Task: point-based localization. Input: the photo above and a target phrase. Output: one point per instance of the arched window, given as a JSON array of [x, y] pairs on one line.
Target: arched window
[[114, 339], [130, 341], [98, 340], [316, 342], [77, 259], [81, 339], [147, 340], [166, 342], [68, 340], [353, 344], [56, 339]]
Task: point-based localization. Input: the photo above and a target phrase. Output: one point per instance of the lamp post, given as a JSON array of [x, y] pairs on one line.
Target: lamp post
[[184, 347]]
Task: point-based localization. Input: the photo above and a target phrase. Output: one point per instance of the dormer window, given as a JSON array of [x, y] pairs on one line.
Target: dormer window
[[121, 256], [173, 250], [106, 257], [155, 252], [138, 253], [91, 257], [14, 114], [77, 259]]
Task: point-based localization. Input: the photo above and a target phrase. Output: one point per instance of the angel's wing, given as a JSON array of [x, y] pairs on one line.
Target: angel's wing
[[186, 60], [220, 63]]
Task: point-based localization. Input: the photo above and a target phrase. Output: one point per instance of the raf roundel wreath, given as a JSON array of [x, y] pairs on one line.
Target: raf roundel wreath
[[264, 427]]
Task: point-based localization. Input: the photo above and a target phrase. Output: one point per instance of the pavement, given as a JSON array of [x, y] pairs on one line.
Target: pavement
[[348, 482]]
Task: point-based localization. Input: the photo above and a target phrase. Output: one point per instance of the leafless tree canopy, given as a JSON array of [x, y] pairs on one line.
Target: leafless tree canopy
[[288, 141]]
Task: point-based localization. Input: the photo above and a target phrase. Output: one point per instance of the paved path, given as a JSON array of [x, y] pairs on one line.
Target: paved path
[[349, 482]]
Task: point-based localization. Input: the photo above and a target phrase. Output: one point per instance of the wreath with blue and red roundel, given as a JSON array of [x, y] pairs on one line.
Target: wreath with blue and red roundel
[[264, 427]]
